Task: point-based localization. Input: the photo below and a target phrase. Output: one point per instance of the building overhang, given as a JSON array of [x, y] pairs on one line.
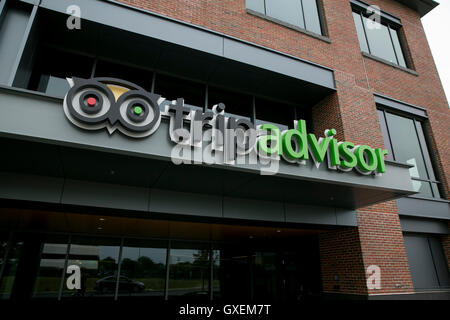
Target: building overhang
[[421, 6], [29, 116]]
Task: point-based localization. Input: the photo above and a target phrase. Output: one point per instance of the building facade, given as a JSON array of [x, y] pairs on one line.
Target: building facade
[[212, 150]]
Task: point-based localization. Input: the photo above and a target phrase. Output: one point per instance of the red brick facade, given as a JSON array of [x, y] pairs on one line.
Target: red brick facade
[[352, 111]]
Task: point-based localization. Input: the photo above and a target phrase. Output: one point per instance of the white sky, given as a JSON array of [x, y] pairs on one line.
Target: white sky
[[437, 29]]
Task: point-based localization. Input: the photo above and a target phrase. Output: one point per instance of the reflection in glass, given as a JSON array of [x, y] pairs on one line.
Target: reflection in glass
[[189, 273], [51, 265], [265, 275], [312, 19], [10, 267], [379, 40], [360, 32], [289, 11], [406, 144], [98, 261], [143, 269], [397, 46], [256, 5]]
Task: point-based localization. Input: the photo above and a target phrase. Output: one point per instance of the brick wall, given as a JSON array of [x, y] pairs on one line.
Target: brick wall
[[351, 110]]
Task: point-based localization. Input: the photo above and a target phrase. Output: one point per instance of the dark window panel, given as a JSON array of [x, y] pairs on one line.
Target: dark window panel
[[268, 111], [406, 144], [235, 103], [172, 88], [289, 11], [53, 66], [312, 17], [140, 77]]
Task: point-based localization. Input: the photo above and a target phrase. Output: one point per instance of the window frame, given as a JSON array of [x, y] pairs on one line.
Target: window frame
[[323, 30], [423, 140], [391, 26]]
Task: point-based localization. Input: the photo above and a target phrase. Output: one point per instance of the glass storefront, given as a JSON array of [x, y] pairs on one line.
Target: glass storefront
[[71, 267]]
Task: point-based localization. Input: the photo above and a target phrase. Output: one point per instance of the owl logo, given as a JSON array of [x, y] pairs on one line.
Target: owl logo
[[93, 104]]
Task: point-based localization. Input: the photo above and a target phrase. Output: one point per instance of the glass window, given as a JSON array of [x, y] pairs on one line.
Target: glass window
[[312, 18], [256, 5], [289, 11], [143, 269], [360, 31], [189, 271], [379, 39], [137, 76], [397, 47], [404, 139], [380, 43], [235, 103], [268, 111], [53, 66], [172, 88], [300, 13], [51, 266], [11, 262], [97, 259]]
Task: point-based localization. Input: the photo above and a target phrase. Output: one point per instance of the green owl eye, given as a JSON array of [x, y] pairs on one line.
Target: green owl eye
[[137, 110]]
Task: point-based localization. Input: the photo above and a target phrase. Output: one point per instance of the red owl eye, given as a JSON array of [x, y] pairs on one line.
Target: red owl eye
[[91, 101]]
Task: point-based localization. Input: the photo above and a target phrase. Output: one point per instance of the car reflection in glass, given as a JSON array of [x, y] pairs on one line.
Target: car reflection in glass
[[108, 284]]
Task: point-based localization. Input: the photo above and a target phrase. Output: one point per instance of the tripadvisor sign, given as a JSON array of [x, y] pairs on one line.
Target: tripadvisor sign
[[211, 136]]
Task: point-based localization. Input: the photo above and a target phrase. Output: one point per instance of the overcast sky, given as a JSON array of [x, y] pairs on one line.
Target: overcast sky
[[437, 28]]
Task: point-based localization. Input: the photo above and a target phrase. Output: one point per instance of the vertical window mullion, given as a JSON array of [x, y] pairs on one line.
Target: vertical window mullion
[[153, 82], [365, 32], [66, 262], [392, 43], [389, 135], [116, 290], [166, 286], [421, 150], [5, 257], [303, 14], [206, 98], [211, 272], [254, 110]]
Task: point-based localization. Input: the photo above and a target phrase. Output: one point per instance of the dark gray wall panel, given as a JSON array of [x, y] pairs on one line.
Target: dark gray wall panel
[[345, 217], [30, 187], [105, 195], [237, 208], [420, 262], [423, 208], [440, 262], [11, 36], [255, 56], [165, 201], [310, 214], [412, 224], [400, 106], [197, 38]]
